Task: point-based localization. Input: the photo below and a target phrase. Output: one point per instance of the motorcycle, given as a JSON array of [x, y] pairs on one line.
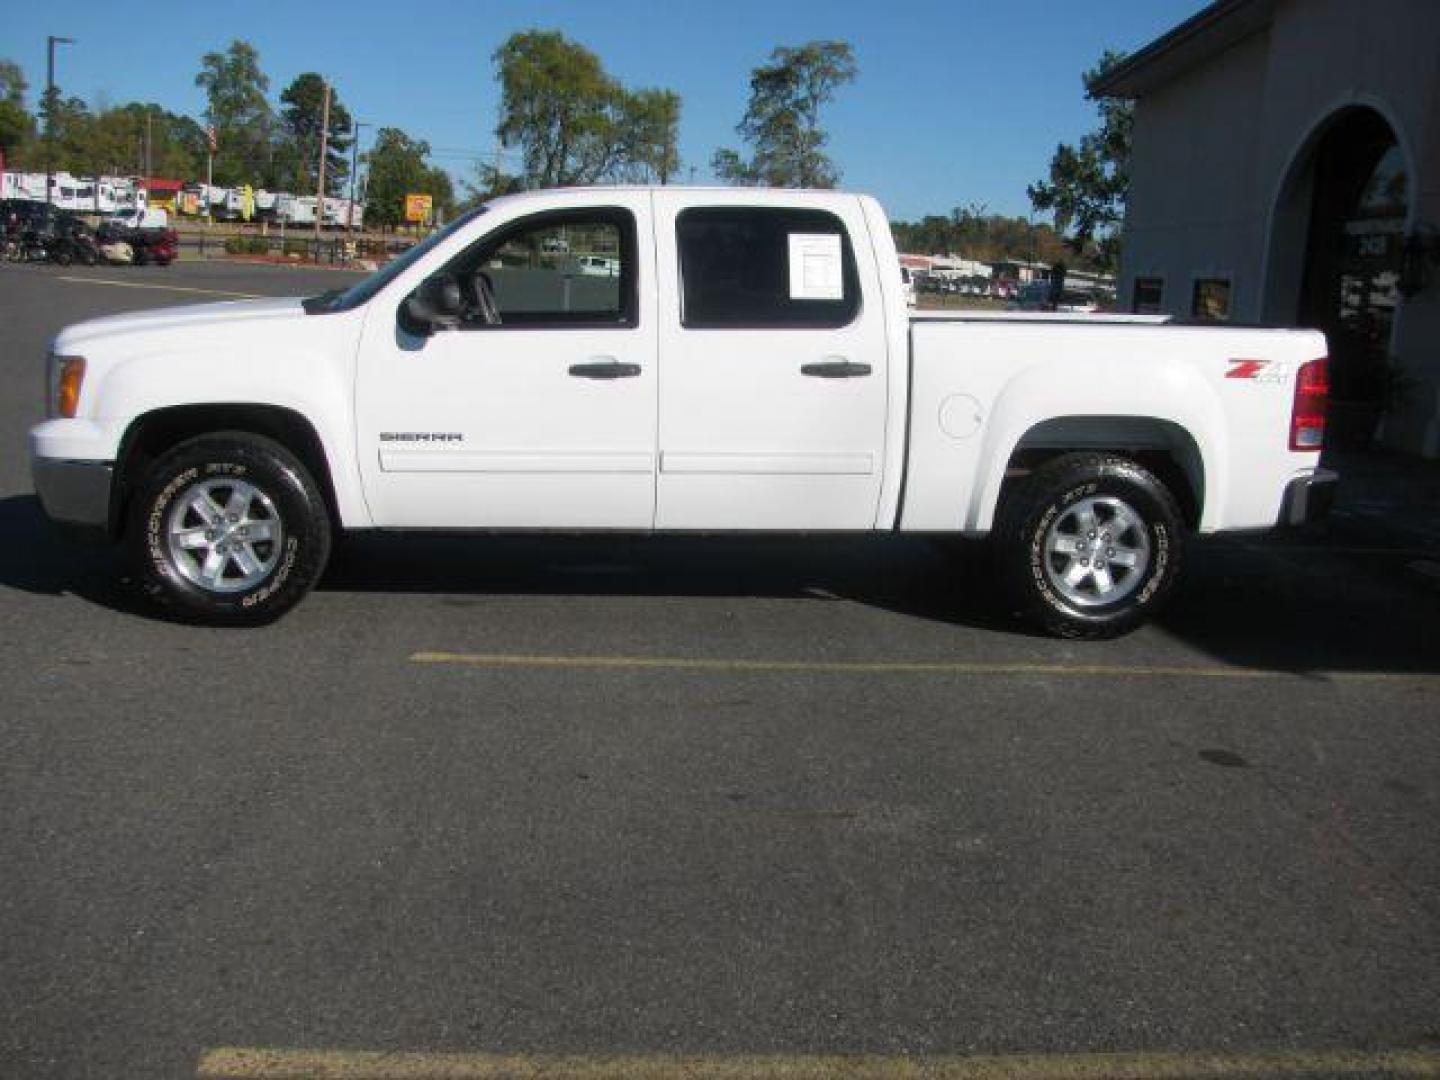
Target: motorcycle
[[76, 247], [34, 247]]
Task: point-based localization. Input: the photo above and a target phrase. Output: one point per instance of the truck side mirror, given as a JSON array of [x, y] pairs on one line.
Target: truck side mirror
[[435, 305]]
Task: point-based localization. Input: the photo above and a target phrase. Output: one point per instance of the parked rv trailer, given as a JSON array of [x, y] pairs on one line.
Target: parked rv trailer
[[295, 209]]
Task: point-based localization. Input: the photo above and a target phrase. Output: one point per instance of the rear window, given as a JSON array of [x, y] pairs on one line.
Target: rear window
[[765, 268]]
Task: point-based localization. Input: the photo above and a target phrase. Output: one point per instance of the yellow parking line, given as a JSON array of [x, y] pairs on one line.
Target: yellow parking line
[[230, 1063], [907, 667], [166, 288]]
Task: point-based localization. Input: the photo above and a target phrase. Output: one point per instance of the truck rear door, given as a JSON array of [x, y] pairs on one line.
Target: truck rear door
[[774, 365]]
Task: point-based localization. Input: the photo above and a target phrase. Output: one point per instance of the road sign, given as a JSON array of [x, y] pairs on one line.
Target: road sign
[[417, 208]]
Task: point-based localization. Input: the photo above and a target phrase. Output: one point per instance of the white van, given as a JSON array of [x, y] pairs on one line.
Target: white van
[[147, 218], [597, 266]]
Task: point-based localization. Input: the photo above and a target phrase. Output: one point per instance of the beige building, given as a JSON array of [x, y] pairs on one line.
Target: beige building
[[1286, 170]]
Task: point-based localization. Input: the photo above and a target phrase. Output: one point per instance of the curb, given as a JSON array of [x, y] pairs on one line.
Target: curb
[[362, 266]]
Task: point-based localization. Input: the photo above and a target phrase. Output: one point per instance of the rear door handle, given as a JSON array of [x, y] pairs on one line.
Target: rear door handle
[[836, 369], [606, 367]]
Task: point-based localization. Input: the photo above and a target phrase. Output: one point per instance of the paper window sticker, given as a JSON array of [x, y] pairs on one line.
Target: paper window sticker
[[816, 267]]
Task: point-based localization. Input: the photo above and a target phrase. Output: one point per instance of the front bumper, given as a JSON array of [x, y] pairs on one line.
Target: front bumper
[[76, 494], [1308, 498]]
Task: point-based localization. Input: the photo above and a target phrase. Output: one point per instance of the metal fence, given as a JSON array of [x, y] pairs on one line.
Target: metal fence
[[331, 250]]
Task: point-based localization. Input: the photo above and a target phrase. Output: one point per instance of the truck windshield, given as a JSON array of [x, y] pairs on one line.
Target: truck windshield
[[362, 291]]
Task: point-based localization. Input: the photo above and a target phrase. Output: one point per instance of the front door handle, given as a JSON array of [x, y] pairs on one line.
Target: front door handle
[[835, 368], [605, 368]]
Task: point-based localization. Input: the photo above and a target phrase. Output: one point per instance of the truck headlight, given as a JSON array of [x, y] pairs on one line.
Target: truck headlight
[[67, 373]]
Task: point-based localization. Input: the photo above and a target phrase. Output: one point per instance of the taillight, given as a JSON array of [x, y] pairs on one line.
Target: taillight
[[1307, 416]]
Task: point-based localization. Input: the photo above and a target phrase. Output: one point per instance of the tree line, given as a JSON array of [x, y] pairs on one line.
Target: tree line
[[565, 121], [263, 143], [985, 237]]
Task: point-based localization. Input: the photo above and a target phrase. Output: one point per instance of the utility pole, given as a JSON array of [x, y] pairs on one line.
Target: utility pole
[[210, 145], [354, 171], [50, 43], [149, 158], [320, 170]]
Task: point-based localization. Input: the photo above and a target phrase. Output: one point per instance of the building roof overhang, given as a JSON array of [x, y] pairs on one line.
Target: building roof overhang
[[1206, 34]]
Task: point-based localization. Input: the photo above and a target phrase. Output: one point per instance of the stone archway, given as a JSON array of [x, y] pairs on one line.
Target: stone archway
[[1336, 249]]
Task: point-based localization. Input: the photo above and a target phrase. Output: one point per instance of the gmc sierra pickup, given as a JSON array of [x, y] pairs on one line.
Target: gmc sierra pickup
[[745, 362]]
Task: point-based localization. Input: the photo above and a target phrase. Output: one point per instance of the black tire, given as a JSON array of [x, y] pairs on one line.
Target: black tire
[[62, 255], [1040, 543], [138, 258], [289, 509]]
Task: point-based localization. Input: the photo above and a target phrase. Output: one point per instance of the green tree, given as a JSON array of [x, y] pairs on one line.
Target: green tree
[[573, 123], [1089, 183], [235, 90], [71, 127], [650, 136], [782, 122], [17, 126], [490, 182], [298, 149], [972, 233], [441, 189], [398, 168], [115, 142]]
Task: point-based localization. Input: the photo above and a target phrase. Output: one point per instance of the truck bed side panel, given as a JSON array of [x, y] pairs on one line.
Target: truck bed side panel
[[980, 387]]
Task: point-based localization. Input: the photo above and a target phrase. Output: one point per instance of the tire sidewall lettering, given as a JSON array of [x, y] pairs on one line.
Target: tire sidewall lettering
[[276, 580], [155, 546]]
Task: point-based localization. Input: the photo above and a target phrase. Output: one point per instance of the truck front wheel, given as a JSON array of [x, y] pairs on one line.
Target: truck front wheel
[[228, 529], [1089, 545]]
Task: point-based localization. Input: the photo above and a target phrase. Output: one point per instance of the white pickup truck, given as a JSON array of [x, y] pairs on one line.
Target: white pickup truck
[[751, 366]]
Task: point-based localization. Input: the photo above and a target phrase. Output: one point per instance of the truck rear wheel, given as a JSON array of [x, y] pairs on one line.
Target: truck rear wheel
[[1089, 545], [228, 529]]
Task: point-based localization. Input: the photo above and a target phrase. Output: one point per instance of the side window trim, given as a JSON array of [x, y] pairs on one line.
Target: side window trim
[[622, 217]]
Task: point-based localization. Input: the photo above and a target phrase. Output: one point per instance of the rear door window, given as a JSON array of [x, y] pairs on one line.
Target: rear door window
[[765, 268]]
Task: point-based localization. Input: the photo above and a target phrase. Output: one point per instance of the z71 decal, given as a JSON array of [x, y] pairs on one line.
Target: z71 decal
[[1260, 371]]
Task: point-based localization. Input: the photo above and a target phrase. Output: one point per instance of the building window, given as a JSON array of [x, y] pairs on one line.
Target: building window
[[1211, 302], [1149, 291], [766, 267]]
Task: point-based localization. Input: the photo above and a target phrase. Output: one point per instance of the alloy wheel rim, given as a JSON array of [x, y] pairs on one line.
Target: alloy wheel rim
[[1097, 551], [224, 535]]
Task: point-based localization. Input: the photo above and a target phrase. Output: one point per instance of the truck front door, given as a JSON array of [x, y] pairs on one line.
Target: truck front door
[[773, 394], [537, 408]]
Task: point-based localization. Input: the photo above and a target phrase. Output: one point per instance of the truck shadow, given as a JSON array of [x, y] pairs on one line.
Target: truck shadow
[[902, 574], [38, 558], [1256, 604], [1296, 603], [908, 575]]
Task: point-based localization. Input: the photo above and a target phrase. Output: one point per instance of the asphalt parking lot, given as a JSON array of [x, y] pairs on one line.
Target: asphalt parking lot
[[753, 802]]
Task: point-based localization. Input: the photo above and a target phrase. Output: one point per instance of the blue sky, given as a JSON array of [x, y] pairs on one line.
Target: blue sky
[[957, 103]]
